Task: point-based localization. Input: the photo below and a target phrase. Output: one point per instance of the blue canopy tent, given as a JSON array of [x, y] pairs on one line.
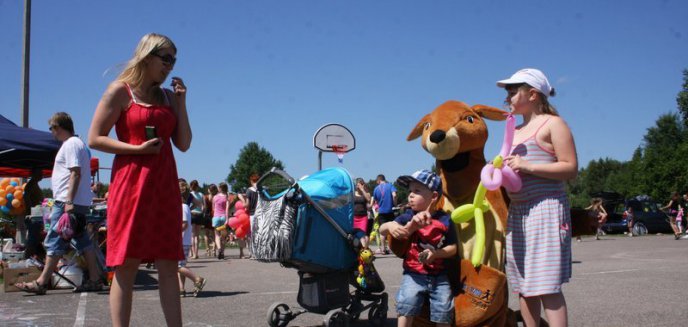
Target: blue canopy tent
[[22, 149]]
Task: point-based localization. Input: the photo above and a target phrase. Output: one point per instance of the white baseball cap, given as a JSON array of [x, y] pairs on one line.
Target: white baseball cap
[[532, 77]]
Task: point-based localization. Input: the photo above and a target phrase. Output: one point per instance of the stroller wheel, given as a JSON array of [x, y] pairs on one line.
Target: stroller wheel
[[336, 318], [279, 315], [377, 315]]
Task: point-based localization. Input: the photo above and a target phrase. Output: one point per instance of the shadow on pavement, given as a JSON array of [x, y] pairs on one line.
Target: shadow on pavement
[[204, 294]]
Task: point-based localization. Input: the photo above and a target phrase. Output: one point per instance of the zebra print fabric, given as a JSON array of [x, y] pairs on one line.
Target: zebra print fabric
[[273, 229]]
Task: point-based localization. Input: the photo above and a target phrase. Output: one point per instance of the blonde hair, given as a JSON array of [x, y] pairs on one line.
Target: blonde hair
[[150, 43], [545, 107]]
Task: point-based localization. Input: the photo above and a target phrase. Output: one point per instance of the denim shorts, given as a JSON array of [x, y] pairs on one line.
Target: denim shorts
[[56, 245], [185, 251], [415, 288], [219, 221]]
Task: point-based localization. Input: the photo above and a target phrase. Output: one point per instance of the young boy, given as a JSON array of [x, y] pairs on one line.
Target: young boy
[[433, 238]]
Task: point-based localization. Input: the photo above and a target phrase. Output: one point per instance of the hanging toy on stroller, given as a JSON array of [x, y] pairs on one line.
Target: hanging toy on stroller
[[308, 225]]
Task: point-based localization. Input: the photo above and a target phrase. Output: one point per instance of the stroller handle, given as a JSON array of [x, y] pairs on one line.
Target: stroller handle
[[274, 170]]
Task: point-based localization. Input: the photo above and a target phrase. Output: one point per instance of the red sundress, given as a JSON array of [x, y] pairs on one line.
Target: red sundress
[[144, 201]]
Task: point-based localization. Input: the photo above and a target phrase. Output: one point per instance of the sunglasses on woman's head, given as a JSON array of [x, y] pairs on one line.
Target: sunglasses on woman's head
[[168, 59]]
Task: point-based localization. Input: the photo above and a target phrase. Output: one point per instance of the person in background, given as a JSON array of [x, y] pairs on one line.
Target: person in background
[[197, 208], [628, 215], [250, 201], [144, 216], [220, 206], [361, 202], [538, 239], [71, 190], [673, 206], [384, 197], [33, 196], [98, 195], [208, 213], [596, 211], [184, 272]]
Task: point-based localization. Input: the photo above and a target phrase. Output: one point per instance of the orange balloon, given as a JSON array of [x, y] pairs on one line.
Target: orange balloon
[[16, 203], [18, 194], [3, 193], [4, 181], [3, 201], [9, 189]]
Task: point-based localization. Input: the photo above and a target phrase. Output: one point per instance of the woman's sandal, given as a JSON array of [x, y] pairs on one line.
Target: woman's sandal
[[32, 287]]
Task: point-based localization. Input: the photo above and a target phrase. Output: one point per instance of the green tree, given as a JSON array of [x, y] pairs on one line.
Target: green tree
[[664, 166], [682, 99], [252, 159], [658, 166]]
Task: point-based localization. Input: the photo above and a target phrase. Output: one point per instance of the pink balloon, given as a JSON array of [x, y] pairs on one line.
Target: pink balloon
[[233, 222], [508, 136], [239, 212], [491, 177], [243, 218], [239, 205], [512, 182]]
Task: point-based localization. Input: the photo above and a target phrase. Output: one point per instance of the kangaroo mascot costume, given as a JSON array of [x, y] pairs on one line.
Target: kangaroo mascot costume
[[455, 134]]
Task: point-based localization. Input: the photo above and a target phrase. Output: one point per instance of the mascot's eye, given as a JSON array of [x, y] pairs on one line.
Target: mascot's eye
[[470, 119], [427, 125]]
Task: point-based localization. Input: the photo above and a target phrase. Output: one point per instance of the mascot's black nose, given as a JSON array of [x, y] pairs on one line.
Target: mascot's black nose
[[437, 136]]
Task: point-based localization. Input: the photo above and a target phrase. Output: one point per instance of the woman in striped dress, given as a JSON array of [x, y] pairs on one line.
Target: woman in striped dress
[[538, 231]]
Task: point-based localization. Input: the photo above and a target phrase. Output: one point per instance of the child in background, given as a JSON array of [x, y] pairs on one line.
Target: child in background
[[433, 238], [628, 215], [538, 239], [679, 219], [184, 272], [220, 206], [596, 211], [673, 205]]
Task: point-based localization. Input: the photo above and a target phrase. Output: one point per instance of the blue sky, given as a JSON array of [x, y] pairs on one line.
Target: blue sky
[[275, 71]]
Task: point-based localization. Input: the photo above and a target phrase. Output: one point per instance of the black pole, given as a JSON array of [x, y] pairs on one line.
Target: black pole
[[26, 55]]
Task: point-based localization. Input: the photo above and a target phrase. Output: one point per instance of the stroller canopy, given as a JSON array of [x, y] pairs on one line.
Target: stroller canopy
[[332, 189]]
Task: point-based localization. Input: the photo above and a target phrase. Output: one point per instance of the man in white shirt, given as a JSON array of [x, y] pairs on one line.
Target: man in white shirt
[[71, 190]]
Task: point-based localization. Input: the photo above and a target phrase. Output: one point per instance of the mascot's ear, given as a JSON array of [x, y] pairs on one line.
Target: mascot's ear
[[490, 113], [418, 130]]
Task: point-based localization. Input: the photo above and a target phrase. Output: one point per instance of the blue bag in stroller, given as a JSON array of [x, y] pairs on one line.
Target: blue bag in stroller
[[308, 225]]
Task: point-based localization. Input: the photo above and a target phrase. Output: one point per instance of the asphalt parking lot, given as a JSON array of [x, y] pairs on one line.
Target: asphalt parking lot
[[617, 281]]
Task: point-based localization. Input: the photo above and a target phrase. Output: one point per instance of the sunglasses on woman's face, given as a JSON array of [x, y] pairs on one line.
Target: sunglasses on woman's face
[[167, 59]]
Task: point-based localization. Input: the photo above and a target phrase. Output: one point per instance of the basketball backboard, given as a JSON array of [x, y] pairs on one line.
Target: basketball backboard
[[334, 135]]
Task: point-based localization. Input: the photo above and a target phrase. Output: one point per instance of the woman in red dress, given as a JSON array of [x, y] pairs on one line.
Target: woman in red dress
[[144, 216]]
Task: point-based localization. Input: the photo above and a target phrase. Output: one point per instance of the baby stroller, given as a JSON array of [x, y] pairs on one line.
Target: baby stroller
[[308, 225]]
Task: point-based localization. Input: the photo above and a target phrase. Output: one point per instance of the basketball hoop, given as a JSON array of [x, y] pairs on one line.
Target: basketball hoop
[[333, 138], [339, 150]]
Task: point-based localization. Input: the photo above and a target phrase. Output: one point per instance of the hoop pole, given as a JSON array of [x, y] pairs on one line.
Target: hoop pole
[[319, 160]]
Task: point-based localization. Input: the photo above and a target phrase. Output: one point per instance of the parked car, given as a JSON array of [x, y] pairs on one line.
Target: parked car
[[647, 216]]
